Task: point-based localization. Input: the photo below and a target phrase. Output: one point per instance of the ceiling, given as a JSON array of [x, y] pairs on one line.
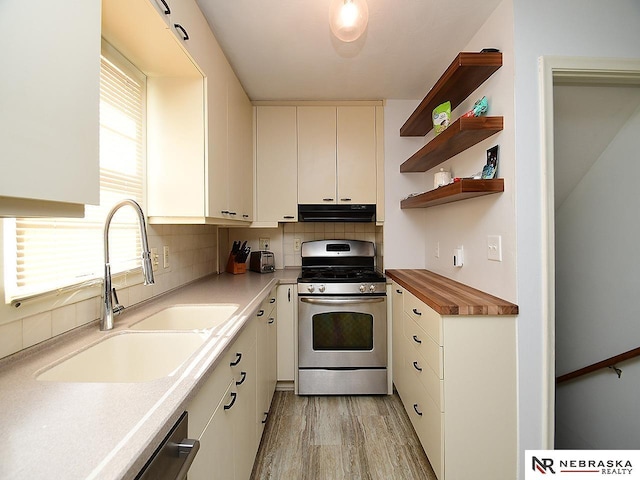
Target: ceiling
[[284, 49]]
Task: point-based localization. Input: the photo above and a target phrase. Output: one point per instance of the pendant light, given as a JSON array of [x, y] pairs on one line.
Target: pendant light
[[348, 19]]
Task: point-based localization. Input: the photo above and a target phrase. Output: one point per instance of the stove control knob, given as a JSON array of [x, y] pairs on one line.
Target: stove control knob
[[372, 288], [321, 288], [362, 288], [310, 287]]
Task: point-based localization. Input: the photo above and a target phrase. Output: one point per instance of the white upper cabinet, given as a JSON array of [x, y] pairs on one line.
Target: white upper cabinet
[[356, 155], [49, 107], [316, 155], [200, 120], [276, 164], [337, 154]]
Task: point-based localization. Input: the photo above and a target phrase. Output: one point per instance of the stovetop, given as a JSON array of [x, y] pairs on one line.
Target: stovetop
[[340, 274]]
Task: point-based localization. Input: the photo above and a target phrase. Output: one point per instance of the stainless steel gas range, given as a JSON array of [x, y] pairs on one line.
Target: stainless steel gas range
[[342, 320]]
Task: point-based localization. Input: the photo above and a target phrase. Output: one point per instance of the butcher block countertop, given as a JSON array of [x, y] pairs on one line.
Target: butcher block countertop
[[448, 297]]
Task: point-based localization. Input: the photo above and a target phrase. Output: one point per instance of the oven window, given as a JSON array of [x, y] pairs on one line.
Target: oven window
[[342, 331]]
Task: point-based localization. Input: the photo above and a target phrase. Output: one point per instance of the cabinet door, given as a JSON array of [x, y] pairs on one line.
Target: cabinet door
[[285, 333], [240, 151], [356, 154], [245, 445], [316, 155], [276, 164], [398, 368], [49, 113], [215, 459]]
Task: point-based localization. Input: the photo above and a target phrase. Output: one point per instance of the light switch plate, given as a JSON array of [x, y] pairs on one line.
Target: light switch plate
[[494, 248], [165, 256]]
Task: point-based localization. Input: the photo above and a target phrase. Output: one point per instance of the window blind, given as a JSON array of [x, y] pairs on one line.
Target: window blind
[[52, 253]]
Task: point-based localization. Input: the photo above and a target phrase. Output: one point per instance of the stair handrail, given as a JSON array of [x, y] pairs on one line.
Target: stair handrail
[[610, 362]]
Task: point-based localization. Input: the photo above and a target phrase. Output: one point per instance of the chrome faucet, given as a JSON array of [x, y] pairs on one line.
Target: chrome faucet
[[110, 310]]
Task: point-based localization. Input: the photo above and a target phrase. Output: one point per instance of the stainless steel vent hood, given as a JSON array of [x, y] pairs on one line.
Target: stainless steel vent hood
[[337, 213]]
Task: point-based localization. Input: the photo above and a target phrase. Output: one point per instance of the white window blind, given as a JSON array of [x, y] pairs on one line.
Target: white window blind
[[55, 253]]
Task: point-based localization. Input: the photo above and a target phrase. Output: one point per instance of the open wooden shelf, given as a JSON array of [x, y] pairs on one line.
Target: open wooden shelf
[[460, 135], [461, 190], [466, 73]]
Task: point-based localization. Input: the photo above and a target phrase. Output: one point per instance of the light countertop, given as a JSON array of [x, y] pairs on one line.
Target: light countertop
[[109, 430]]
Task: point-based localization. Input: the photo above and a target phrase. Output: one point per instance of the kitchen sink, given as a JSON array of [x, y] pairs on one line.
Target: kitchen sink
[[188, 317], [127, 357]]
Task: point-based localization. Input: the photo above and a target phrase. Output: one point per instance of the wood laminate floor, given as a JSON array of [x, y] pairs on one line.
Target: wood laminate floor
[[339, 437]]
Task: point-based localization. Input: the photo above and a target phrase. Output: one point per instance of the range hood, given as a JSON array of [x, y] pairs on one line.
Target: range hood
[[337, 213]]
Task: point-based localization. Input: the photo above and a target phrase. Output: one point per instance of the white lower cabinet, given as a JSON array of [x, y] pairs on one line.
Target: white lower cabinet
[[287, 305], [266, 319], [456, 376], [223, 413]]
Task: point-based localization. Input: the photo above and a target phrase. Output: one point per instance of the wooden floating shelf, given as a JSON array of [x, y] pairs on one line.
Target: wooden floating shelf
[[466, 73], [461, 190], [460, 135]]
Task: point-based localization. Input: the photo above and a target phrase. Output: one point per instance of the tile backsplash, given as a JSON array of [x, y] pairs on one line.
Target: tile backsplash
[[282, 239], [192, 254]]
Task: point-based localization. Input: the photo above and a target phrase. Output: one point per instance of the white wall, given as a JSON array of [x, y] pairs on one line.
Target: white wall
[[597, 301], [547, 27]]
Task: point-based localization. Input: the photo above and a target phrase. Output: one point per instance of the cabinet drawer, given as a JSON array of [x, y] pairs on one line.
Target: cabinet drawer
[[424, 345], [428, 421], [432, 384], [202, 406], [427, 318]]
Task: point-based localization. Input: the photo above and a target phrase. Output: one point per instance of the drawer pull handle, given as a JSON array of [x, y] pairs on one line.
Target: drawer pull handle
[[289, 217], [260, 313], [272, 300], [237, 360], [327, 199], [185, 35], [415, 408], [266, 415], [416, 339], [244, 377], [165, 7], [345, 199], [399, 291], [417, 367], [234, 395], [415, 310], [271, 320]]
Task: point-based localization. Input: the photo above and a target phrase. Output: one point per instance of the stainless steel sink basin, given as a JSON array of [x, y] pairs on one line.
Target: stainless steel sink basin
[[187, 317], [127, 357]]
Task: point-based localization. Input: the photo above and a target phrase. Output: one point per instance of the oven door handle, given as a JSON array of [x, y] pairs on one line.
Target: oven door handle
[[341, 301]]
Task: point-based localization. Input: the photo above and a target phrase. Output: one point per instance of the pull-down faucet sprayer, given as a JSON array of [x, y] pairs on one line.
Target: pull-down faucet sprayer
[[109, 311]]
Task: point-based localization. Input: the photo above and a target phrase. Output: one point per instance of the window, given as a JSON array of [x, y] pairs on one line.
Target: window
[[55, 253]]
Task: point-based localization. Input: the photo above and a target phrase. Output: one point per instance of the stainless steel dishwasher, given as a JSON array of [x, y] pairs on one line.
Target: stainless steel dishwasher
[[174, 456]]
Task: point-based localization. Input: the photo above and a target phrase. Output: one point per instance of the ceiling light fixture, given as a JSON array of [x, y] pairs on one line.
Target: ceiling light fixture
[[348, 19]]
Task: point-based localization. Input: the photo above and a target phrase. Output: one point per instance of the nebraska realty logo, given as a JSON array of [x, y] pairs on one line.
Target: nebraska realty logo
[[581, 464]]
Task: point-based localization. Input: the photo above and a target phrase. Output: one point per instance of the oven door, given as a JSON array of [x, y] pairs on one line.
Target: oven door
[[342, 332]]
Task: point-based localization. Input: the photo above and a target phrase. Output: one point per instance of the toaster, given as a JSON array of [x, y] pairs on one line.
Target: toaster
[[262, 261]]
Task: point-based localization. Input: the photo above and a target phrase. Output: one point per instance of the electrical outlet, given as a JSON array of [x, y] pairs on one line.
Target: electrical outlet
[[264, 243], [154, 258], [436, 252], [165, 256], [458, 257], [296, 244], [494, 248]]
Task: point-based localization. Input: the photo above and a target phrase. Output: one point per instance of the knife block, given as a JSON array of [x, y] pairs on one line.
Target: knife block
[[235, 267]]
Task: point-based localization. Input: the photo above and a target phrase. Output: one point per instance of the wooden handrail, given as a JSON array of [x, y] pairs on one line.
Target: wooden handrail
[[609, 362]]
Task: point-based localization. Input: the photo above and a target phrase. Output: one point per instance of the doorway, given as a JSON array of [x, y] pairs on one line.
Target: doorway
[[591, 117]]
